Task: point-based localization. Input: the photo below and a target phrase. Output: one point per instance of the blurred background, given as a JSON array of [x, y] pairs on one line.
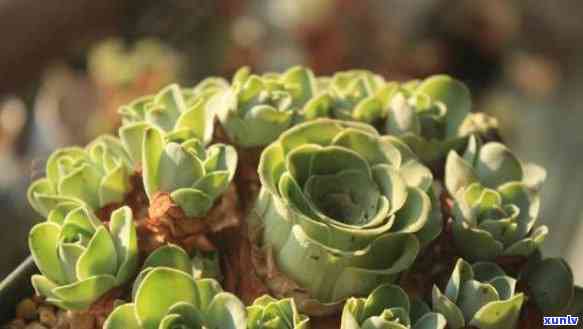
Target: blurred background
[[66, 65]]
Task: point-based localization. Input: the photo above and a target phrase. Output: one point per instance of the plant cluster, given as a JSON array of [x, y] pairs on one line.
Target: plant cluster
[[370, 204]]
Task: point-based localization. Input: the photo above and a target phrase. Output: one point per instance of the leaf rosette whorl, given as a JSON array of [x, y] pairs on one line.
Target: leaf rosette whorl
[[95, 176], [496, 203], [480, 296], [352, 95], [168, 298], [79, 258], [428, 115], [258, 108], [268, 312], [388, 306], [342, 209]]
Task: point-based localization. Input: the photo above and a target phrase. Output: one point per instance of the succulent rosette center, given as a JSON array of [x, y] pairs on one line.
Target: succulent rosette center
[[496, 203], [388, 306], [81, 259], [342, 207], [258, 108], [479, 296]]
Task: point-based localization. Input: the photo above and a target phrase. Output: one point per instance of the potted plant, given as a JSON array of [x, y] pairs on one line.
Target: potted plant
[[290, 200]]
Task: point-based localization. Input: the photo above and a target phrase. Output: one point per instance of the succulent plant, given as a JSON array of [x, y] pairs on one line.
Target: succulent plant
[[479, 295], [95, 176], [257, 109], [168, 298], [192, 175], [342, 209], [199, 266], [267, 312], [495, 209], [81, 259], [388, 306], [428, 114]]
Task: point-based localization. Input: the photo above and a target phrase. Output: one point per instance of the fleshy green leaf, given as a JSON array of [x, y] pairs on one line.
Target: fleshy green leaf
[[195, 203], [496, 165], [123, 317], [453, 94], [177, 168], [170, 256], [226, 312], [442, 304], [475, 295], [402, 118], [132, 138], [431, 321], [159, 290], [42, 241], [124, 235], [550, 283], [81, 294], [499, 314], [100, 257], [458, 173], [152, 149]]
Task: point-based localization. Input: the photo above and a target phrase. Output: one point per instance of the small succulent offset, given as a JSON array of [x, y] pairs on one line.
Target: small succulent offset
[[257, 109], [495, 208], [80, 259], [428, 115], [267, 312], [192, 175], [388, 306], [168, 298], [479, 295], [95, 176], [342, 208]]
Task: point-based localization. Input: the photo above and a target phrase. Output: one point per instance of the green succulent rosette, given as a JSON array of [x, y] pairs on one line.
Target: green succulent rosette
[[95, 176], [268, 312], [79, 258], [258, 108], [480, 296], [388, 306], [201, 265], [342, 209], [352, 95], [168, 298], [495, 206], [180, 113], [193, 176], [428, 115]]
